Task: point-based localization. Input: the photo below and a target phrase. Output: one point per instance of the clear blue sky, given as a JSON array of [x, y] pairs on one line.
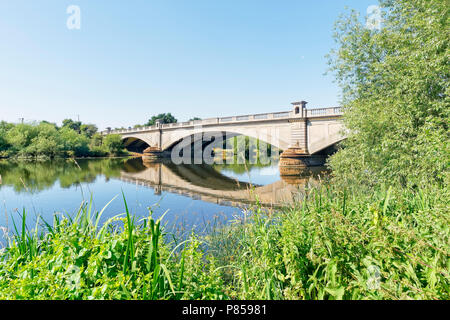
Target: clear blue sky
[[133, 59]]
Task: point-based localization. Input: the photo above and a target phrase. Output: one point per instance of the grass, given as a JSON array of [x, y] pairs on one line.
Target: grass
[[74, 258], [391, 244]]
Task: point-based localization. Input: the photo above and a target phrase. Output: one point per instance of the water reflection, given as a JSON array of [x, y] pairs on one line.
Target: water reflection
[[195, 196], [212, 184], [37, 176], [232, 185]]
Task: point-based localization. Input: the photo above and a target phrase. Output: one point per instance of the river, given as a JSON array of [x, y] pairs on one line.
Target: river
[[194, 196]]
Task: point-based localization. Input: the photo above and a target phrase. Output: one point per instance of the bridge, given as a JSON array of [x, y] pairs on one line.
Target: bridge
[[304, 135]]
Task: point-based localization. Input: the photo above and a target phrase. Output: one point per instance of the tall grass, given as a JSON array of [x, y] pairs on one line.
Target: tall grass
[[75, 258], [335, 244], [392, 244]]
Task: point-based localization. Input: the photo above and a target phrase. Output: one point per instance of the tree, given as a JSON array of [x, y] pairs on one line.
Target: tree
[[74, 144], [4, 128], [395, 84], [88, 130], [74, 125], [20, 136], [47, 142], [195, 118], [96, 140], [164, 117], [113, 144]]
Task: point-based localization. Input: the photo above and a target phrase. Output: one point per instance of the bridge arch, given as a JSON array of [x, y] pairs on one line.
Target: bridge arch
[[326, 142], [270, 137], [135, 143]]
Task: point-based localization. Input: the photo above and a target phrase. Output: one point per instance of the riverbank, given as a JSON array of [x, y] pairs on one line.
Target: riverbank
[[46, 158], [391, 244]]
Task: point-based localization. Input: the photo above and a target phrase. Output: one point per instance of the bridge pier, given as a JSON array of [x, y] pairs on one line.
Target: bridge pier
[[294, 161]]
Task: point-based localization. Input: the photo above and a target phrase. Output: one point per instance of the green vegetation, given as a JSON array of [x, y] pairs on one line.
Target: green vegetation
[[123, 259], [393, 244], [163, 117], [378, 230], [395, 85], [45, 139], [243, 149]]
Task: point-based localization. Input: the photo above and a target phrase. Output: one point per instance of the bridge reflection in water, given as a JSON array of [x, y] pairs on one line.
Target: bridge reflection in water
[[206, 183]]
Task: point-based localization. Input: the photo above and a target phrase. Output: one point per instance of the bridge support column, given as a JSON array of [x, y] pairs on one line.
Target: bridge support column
[[294, 161]]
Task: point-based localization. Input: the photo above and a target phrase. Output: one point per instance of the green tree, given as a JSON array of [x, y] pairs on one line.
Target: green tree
[[20, 136], [113, 144], [47, 142], [74, 144], [164, 117], [88, 130], [74, 125], [96, 140], [4, 128], [395, 84]]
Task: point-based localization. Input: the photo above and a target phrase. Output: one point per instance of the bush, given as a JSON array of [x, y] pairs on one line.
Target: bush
[[113, 144], [334, 245], [395, 96]]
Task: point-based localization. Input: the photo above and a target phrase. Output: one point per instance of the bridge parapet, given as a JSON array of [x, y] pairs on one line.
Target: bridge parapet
[[306, 114], [335, 111]]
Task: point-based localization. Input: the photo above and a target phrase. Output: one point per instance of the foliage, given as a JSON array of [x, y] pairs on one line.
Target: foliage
[[71, 124], [395, 95], [113, 144], [122, 259], [334, 245], [45, 139], [88, 130], [163, 117]]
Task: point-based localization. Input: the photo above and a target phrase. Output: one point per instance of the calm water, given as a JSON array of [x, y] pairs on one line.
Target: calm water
[[193, 195]]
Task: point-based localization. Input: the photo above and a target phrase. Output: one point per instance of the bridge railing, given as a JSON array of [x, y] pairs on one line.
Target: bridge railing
[[323, 112], [310, 113]]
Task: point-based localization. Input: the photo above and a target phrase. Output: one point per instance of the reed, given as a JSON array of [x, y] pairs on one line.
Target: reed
[[335, 244]]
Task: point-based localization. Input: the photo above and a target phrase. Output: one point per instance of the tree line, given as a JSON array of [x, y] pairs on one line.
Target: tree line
[[163, 118], [45, 139]]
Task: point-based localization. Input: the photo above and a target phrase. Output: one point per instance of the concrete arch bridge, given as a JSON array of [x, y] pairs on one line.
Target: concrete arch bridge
[[304, 135]]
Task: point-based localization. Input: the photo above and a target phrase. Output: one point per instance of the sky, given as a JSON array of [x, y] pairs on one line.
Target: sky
[[129, 60]]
